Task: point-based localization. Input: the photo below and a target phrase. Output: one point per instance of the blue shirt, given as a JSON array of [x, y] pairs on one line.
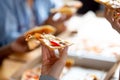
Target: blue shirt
[[16, 17]]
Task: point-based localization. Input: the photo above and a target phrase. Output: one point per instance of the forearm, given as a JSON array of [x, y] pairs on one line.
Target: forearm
[[5, 51]]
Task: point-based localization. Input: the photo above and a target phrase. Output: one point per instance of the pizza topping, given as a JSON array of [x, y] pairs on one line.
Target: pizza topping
[[35, 76], [53, 43], [49, 40], [62, 43], [118, 14], [69, 63], [28, 76]]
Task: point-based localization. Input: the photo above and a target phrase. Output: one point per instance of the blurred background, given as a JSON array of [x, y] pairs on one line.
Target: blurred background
[[95, 52]]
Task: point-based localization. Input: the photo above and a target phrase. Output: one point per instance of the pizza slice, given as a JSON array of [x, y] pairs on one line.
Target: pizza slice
[[110, 3], [50, 40], [33, 42]]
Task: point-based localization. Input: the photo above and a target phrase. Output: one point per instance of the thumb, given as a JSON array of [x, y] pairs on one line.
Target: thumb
[[63, 53]]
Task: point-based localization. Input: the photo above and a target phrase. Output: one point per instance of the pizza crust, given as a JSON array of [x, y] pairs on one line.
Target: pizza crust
[[41, 29]]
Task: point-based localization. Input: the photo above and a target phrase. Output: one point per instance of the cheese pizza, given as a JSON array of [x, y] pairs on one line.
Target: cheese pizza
[[33, 42], [50, 40]]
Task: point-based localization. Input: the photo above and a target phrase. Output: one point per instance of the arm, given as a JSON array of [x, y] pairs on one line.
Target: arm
[[5, 51], [57, 19], [17, 46]]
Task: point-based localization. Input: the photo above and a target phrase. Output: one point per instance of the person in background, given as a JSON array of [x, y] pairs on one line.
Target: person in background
[[18, 16], [52, 65]]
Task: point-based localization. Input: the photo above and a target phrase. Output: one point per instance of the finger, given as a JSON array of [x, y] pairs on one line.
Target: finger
[[44, 53], [63, 51], [60, 52], [52, 53], [47, 52]]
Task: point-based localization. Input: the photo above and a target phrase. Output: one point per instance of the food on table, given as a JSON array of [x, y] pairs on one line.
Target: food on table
[[110, 3], [32, 74], [91, 77], [69, 63]]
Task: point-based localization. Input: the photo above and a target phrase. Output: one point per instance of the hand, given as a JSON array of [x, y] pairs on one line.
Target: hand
[[113, 17], [57, 20], [51, 64], [20, 45]]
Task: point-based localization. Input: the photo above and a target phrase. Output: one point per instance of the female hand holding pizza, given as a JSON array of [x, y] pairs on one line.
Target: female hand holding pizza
[[52, 65]]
